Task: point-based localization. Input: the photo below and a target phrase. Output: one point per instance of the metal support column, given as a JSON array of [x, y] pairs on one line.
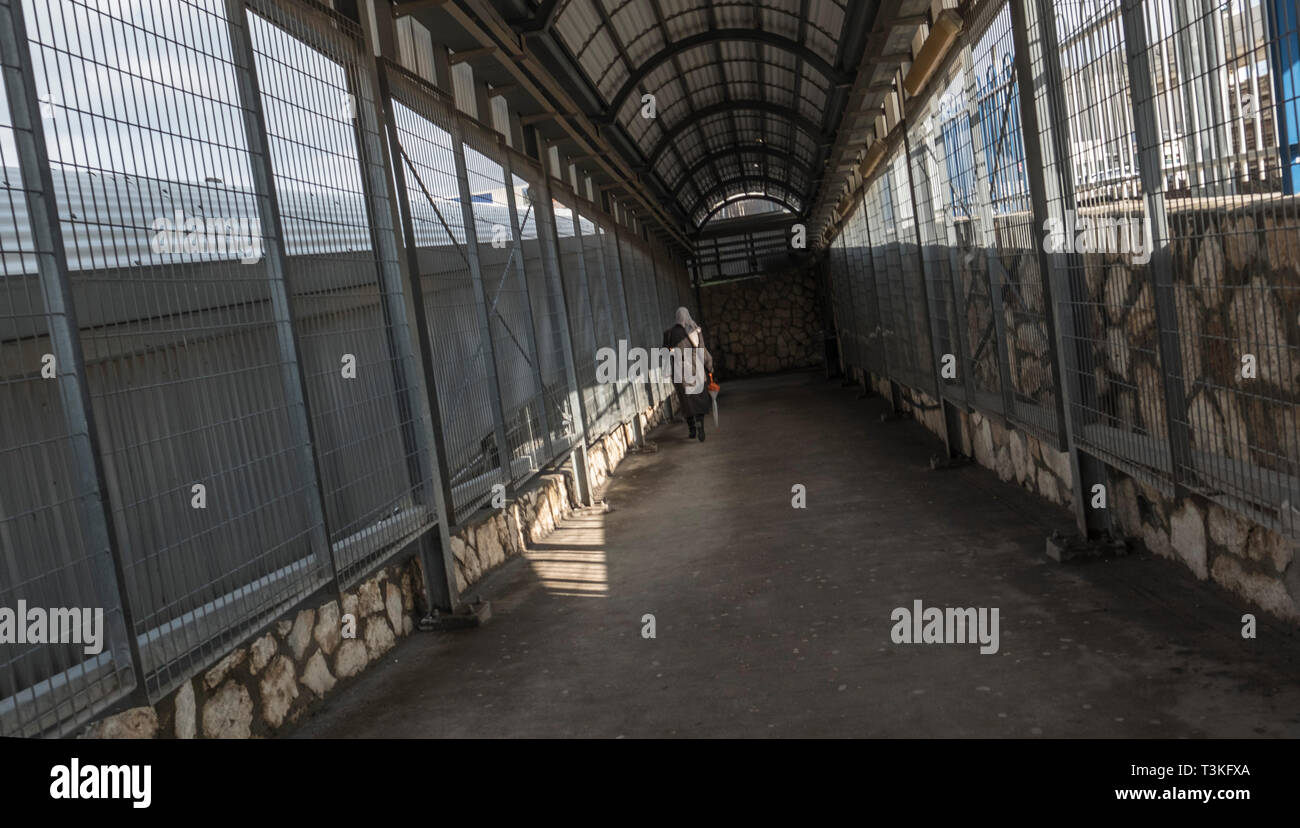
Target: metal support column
[[481, 303], [550, 244], [438, 566], [1047, 149], [920, 259], [517, 254], [268, 209], [638, 390], [985, 239], [1150, 158]]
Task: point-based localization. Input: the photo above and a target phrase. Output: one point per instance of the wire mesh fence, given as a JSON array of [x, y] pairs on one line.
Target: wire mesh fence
[[262, 296], [318, 105], [605, 400], [939, 264], [457, 328], [45, 438], [1145, 292], [513, 352], [1011, 234]]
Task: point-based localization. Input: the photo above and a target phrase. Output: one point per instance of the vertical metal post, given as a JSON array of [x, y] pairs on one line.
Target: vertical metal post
[[986, 239], [1160, 267], [846, 347], [870, 257], [108, 574], [905, 125], [584, 282], [481, 301], [659, 303], [441, 591], [518, 255], [1035, 171], [373, 157], [268, 209], [638, 390], [551, 258], [1048, 149]]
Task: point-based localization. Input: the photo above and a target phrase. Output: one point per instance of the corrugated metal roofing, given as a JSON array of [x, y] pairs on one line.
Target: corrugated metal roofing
[[736, 84]]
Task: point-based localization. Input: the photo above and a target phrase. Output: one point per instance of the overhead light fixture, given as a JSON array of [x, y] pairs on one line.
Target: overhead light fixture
[[942, 35]]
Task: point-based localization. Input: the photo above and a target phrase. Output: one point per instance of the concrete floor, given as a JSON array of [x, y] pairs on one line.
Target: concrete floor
[[773, 621]]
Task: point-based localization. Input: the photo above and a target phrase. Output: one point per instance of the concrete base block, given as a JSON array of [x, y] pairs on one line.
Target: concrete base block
[[470, 616], [938, 463], [1062, 548]]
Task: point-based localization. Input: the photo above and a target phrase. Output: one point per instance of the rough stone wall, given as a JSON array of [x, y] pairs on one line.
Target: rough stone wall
[[763, 325], [286, 669], [289, 667], [1236, 274], [1252, 561], [1236, 292], [1216, 544], [1014, 454]]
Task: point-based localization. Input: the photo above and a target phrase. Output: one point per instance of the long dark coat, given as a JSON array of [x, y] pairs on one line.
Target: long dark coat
[[698, 404]]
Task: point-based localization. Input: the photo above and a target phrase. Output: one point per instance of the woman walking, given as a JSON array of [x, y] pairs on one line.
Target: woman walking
[[692, 365]]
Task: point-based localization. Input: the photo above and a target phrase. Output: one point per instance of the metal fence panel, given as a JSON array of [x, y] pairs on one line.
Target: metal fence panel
[[1110, 347], [937, 255], [462, 366], [508, 309], [842, 304], [631, 394], [605, 395], [905, 259], [546, 300], [1219, 88], [56, 550], [178, 272], [367, 447], [1012, 236], [577, 296]]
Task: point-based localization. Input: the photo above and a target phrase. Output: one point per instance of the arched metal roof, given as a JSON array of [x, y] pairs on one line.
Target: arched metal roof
[[747, 93]]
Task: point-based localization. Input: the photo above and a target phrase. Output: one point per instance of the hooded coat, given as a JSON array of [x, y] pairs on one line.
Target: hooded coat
[[686, 339]]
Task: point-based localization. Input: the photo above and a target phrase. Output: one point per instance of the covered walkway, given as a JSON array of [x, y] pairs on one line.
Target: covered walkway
[[773, 621], [317, 316]]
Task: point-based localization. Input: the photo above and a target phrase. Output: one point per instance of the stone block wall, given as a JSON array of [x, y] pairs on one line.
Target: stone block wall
[[1015, 455], [1249, 560], [1254, 562], [1236, 293], [765, 324], [272, 679]]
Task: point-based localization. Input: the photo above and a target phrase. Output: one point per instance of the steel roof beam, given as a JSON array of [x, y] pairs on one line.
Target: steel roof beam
[[766, 151], [708, 38], [738, 180], [744, 197], [687, 95], [811, 128]]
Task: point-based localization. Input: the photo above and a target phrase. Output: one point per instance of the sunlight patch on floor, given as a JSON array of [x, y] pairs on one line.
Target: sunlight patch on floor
[[571, 560]]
